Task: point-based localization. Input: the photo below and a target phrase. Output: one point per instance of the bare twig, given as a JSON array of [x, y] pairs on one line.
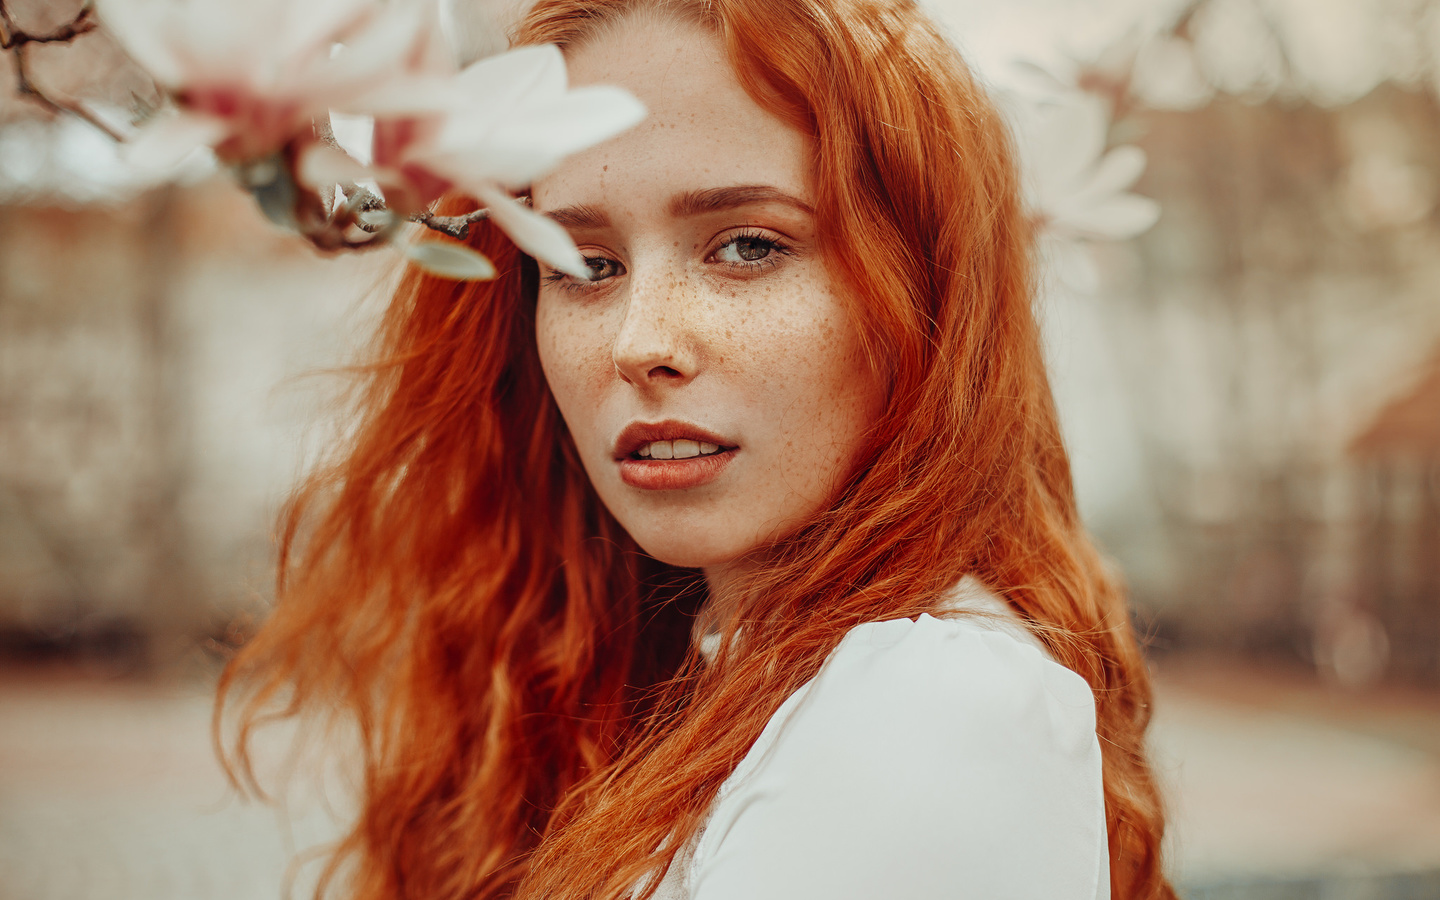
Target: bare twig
[[457, 227], [316, 215], [13, 36], [17, 41], [359, 201]]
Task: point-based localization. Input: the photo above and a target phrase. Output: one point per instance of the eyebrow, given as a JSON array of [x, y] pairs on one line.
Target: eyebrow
[[580, 218], [698, 203], [690, 203]]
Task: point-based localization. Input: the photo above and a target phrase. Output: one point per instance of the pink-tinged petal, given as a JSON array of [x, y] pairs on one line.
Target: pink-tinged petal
[[538, 236], [398, 141], [135, 25], [410, 188], [321, 165], [166, 141]]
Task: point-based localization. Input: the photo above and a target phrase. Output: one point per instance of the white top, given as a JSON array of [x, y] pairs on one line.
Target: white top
[[933, 758]]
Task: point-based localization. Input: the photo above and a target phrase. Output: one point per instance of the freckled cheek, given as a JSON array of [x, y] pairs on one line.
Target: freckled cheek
[[576, 358]]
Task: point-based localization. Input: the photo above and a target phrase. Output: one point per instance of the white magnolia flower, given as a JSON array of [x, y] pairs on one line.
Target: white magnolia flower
[[491, 129], [480, 28], [249, 79], [249, 76], [1077, 192], [1077, 189]]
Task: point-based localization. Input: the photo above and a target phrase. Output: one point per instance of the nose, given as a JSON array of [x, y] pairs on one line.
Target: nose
[[655, 345]]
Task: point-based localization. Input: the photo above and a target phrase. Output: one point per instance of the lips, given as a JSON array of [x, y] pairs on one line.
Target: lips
[[639, 435], [671, 455]]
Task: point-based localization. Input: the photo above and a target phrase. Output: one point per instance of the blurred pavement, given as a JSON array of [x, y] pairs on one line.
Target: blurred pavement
[[1283, 789]]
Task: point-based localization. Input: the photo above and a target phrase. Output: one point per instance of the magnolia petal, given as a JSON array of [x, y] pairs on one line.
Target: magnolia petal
[[1120, 169], [425, 95], [538, 236], [311, 27], [321, 165], [517, 77], [355, 135], [224, 41], [531, 143], [453, 261], [1063, 144], [384, 48], [133, 23], [166, 141], [1116, 218], [477, 28], [582, 118], [501, 89], [1071, 262]]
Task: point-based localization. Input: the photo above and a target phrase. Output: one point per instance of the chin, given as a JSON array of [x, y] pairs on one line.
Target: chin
[[674, 550]]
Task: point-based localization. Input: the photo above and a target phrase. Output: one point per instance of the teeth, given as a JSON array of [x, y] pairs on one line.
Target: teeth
[[681, 449]]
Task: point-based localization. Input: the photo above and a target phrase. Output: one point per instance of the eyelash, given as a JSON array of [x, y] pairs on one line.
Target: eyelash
[[769, 261]]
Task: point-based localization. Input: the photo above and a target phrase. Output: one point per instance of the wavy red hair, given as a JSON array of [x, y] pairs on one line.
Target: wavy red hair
[[534, 720]]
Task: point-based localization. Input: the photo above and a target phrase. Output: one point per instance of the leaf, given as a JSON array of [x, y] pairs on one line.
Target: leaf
[[449, 260]]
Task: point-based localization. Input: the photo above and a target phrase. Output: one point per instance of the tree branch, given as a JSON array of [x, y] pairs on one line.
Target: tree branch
[[457, 227], [13, 36], [16, 41], [318, 219], [359, 200]]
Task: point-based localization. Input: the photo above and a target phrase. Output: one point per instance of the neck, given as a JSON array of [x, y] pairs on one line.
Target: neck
[[727, 586]]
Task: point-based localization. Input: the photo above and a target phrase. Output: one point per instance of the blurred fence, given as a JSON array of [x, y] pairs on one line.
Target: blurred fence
[[1278, 334], [153, 409]]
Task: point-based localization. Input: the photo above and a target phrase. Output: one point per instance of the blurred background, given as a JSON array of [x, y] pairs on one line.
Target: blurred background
[[1250, 389]]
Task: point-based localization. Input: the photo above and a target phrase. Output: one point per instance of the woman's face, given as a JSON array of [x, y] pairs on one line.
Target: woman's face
[[710, 373]]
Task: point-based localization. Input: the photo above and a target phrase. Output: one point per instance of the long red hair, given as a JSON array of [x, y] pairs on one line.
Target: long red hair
[[534, 720]]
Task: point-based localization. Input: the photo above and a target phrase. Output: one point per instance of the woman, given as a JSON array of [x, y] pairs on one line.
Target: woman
[[796, 417]]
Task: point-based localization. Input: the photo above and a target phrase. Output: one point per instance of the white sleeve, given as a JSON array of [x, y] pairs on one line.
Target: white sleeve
[[928, 759]]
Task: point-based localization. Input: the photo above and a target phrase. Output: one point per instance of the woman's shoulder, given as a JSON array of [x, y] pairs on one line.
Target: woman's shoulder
[[973, 674], [974, 669], [927, 753]]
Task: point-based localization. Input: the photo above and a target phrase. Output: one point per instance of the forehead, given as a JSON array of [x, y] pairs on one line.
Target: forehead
[[703, 130]]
